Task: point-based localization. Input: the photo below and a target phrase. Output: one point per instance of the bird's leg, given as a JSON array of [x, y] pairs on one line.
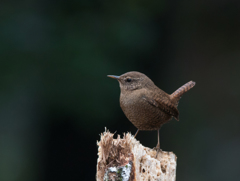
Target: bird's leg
[[136, 133], [158, 144]]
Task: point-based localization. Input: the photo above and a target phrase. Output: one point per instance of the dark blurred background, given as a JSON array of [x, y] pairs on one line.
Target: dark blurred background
[[55, 98]]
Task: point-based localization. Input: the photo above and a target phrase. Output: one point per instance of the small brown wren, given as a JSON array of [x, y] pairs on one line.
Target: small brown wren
[[145, 105]]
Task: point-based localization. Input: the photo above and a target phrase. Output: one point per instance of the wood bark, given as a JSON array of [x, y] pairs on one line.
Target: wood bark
[[125, 159]]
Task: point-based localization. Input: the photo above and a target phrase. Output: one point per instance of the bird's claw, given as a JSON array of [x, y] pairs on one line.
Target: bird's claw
[[157, 148]]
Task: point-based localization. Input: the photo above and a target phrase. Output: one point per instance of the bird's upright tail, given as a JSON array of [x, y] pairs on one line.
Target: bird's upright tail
[[175, 96]]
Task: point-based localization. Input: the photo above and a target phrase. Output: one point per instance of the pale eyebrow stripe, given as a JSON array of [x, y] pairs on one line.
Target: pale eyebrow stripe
[[132, 78]]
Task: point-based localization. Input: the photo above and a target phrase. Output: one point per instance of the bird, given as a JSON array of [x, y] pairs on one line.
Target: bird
[[145, 105]]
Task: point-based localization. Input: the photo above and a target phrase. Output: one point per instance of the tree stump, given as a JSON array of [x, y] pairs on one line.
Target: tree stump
[[127, 160]]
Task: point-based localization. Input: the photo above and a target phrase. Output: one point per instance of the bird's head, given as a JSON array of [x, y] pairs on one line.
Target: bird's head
[[131, 81]]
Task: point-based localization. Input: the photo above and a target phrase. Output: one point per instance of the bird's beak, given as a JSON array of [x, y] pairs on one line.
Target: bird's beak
[[114, 76]]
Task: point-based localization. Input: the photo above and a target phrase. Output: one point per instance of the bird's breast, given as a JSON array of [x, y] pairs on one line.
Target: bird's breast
[[143, 115]]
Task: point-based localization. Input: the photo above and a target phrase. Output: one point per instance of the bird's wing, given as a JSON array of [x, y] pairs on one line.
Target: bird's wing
[[162, 103]]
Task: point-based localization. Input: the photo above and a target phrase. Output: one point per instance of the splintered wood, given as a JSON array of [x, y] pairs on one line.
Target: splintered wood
[[127, 160]]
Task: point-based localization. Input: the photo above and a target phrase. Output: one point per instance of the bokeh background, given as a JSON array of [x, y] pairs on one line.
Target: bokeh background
[[55, 98]]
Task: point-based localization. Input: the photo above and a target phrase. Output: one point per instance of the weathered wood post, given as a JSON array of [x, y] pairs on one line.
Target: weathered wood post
[[127, 160]]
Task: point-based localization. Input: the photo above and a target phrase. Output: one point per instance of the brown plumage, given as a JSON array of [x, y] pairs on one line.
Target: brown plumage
[[144, 104]]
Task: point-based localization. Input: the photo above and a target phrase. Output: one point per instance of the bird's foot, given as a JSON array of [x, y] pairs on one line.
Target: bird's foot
[[157, 148]]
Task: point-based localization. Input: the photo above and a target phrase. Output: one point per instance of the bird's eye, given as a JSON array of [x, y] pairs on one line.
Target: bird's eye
[[129, 80]]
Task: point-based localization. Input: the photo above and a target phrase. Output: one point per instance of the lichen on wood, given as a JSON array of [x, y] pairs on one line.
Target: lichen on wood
[[125, 159], [120, 173]]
